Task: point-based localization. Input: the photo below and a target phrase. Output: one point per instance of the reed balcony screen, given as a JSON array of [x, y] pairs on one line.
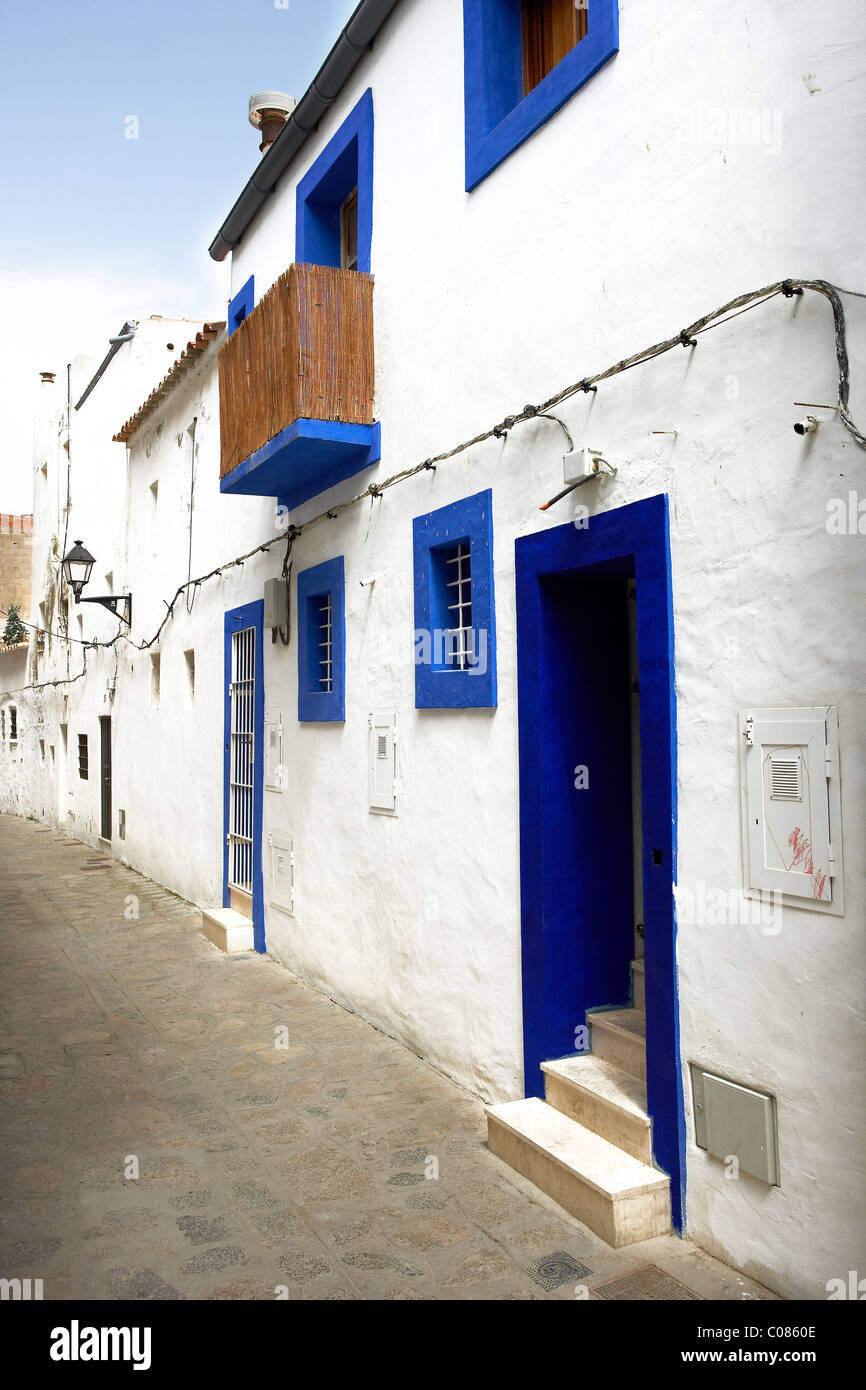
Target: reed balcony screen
[[296, 386]]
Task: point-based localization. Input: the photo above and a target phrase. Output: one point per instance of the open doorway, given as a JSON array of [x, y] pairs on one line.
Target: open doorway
[[597, 798]]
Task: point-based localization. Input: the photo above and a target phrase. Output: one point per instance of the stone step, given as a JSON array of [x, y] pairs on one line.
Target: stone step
[[619, 1036], [637, 975], [229, 930], [609, 1101], [617, 1196]]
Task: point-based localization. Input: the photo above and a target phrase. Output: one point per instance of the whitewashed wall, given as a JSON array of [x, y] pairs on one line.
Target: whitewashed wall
[[621, 221]]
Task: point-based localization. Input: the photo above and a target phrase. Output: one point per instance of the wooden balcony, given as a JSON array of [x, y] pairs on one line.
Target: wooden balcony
[[296, 387]]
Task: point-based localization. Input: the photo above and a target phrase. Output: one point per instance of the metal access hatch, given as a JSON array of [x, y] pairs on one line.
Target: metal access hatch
[[734, 1121]]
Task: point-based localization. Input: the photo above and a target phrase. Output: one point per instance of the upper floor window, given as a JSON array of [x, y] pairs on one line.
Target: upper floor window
[[349, 232], [241, 305], [549, 30], [334, 223], [523, 60], [13, 724]]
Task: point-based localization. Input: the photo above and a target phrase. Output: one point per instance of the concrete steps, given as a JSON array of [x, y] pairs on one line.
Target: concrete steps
[[588, 1145], [229, 930], [609, 1101], [617, 1196], [619, 1036]]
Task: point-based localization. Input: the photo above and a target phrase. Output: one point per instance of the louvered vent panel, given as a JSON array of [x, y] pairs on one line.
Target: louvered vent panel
[[786, 783]]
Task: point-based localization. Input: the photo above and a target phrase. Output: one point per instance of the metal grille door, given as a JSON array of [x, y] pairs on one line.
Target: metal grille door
[[242, 690]]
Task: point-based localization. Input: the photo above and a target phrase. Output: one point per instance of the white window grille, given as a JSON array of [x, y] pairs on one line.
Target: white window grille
[[326, 644], [241, 800], [458, 568]]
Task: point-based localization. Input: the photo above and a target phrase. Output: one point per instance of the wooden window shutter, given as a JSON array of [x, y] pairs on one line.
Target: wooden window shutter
[[550, 30]]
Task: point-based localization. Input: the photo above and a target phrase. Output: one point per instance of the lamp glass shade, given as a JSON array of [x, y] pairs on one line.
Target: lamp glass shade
[[77, 565]]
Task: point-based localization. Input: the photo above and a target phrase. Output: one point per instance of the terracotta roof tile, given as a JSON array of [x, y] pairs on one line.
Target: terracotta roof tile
[[190, 355]]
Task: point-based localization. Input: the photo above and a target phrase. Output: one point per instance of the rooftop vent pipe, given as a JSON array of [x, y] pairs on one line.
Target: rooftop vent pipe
[[269, 112]]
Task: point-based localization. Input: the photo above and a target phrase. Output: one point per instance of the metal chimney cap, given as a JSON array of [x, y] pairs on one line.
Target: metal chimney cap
[[270, 101]]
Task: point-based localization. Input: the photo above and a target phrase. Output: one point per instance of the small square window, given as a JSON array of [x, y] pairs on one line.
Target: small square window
[[82, 757], [455, 634], [549, 30], [523, 60], [334, 212], [322, 642], [349, 232], [451, 600], [241, 305]]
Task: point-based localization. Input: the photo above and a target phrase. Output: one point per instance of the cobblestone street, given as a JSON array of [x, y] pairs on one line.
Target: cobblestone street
[[130, 1043]]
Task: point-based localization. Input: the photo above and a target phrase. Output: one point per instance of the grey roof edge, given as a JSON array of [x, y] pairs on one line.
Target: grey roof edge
[[126, 334], [354, 42]]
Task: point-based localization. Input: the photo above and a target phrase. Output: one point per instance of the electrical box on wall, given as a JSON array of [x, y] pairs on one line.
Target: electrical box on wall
[[383, 761], [791, 805], [275, 772], [276, 603], [282, 871], [733, 1121]]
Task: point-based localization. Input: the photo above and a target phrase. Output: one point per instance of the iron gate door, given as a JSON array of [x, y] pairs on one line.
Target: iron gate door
[[242, 692], [105, 774]]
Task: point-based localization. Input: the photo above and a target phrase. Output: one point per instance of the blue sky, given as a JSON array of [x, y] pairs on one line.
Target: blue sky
[[97, 227]]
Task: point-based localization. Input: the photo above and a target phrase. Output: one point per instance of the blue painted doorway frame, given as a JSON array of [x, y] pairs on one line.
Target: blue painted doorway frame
[[557, 983], [236, 620]]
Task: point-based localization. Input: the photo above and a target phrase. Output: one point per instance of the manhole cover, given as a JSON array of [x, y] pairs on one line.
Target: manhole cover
[[552, 1271], [648, 1284]]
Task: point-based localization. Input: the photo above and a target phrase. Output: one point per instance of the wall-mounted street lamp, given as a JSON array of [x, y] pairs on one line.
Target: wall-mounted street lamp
[[77, 565]]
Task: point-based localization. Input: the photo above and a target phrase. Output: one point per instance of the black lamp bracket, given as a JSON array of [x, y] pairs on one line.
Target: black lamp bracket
[[111, 601]]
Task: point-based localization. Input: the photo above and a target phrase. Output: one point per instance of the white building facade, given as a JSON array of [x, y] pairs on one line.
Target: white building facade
[[461, 760]]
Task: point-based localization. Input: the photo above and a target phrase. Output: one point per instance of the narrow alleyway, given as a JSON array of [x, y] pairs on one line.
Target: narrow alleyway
[[338, 1166]]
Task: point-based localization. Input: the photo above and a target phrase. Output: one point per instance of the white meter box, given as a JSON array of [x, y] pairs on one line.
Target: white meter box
[[281, 882], [274, 768], [792, 816], [382, 761]]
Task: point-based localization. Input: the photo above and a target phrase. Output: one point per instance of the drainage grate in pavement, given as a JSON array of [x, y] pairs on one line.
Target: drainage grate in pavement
[[648, 1284], [552, 1271]]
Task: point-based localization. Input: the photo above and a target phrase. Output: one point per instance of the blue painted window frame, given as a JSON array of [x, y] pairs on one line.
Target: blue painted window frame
[[438, 687], [638, 536], [316, 706], [241, 305], [345, 162], [236, 619], [498, 116]]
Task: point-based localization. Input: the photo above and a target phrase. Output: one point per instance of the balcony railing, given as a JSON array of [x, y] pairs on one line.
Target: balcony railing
[[296, 386]]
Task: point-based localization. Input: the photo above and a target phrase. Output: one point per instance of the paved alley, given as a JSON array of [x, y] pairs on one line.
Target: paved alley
[[178, 1123]]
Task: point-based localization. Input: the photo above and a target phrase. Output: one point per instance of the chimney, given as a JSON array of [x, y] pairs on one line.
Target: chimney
[[269, 112], [47, 378]]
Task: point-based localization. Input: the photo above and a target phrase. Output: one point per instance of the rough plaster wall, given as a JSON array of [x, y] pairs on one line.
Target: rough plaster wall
[[414, 921]]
